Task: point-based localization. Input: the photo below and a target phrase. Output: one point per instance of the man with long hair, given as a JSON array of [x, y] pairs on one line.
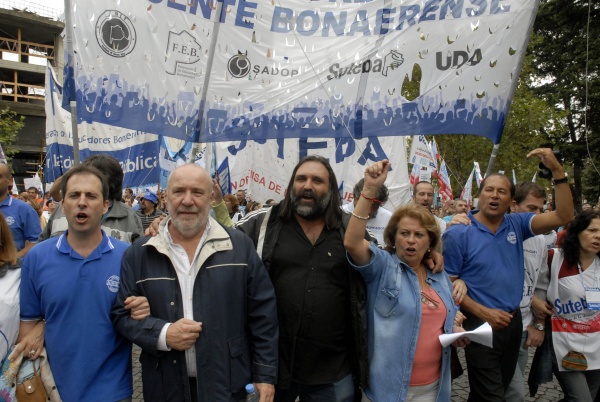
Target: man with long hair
[[320, 299]]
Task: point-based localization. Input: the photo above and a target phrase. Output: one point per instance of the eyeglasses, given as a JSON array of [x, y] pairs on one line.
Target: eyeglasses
[[428, 301]]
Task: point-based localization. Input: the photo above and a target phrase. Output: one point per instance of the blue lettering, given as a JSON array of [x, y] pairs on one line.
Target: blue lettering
[[224, 9], [175, 5], [204, 7], [329, 22], [372, 152], [482, 4], [341, 143], [456, 7], [429, 7], [383, 19], [361, 24], [496, 8], [558, 307], [304, 146], [312, 24], [242, 13], [281, 18], [408, 14], [570, 307]]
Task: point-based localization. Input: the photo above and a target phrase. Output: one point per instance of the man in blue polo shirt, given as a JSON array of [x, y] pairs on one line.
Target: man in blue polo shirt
[[71, 282], [488, 256], [22, 219]]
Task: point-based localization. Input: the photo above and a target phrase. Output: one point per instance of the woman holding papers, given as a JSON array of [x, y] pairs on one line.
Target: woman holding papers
[[574, 293], [408, 305]]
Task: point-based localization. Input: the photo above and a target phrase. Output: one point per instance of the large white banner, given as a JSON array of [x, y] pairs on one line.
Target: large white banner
[[137, 152], [264, 170], [262, 70]]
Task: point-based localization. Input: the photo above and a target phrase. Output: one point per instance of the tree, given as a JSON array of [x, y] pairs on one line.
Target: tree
[[10, 125], [566, 64], [529, 123]]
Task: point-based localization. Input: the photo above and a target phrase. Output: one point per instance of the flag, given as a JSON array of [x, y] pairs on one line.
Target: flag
[[224, 178], [415, 174], [434, 152], [444, 182], [2, 157], [39, 184], [467, 189], [263, 70], [478, 176], [420, 153], [341, 190]]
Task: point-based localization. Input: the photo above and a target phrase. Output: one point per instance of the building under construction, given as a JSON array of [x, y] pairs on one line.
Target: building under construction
[[30, 34]]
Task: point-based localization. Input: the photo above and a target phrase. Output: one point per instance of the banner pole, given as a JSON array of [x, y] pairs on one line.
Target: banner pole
[[490, 166], [73, 103], [203, 95]]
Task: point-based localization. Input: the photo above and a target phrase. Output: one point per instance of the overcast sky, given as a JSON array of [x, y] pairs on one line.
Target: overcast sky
[[56, 4]]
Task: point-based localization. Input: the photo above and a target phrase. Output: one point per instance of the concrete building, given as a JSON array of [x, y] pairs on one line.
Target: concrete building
[[30, 34]]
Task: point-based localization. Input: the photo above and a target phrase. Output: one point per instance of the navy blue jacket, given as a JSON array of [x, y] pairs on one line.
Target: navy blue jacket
[[233, 298]]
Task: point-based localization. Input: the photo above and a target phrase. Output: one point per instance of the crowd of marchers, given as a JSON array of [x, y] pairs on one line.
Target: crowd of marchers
[[305, 298]]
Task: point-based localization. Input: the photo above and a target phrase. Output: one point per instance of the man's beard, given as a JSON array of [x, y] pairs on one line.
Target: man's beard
[[310, 211], [192, 225]]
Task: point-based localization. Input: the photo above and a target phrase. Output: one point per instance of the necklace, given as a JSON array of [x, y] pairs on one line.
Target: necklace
[[424, 287]]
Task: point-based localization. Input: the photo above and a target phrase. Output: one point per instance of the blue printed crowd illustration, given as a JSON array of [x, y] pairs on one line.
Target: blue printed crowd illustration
[[161, 83]]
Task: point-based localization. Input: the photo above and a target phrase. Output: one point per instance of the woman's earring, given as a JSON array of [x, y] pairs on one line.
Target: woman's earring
[[429, 250]]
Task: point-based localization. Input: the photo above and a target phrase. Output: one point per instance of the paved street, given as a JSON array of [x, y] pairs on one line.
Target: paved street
[[547, 393]]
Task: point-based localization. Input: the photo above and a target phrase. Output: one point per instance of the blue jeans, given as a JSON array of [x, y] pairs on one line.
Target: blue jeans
[[341, 391]]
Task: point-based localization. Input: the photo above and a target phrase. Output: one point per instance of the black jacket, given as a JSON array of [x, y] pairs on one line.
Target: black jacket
[[234, 300]]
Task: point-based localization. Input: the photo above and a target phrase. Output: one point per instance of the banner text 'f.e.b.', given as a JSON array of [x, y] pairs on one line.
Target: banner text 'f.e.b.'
[[212, 71]]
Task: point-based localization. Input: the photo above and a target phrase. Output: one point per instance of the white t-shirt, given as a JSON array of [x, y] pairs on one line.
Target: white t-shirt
[[10, 285], [441, 224], [374, 225], [536, 258]]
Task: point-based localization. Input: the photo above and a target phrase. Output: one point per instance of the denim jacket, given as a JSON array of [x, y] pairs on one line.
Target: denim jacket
[[394, 319]]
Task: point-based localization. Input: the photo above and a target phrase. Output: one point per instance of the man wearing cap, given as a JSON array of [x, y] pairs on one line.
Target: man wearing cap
[[148, 210]]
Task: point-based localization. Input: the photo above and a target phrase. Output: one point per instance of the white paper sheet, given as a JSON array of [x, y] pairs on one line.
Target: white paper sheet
[[481, 334]]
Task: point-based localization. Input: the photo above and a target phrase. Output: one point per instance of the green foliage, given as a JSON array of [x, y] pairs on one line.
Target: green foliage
[[10, 125], [411, 87], [529, 124], [566, 74]]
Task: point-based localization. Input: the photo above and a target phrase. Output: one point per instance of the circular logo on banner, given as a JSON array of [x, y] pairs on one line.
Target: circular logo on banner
[[511, 237], [115, 33], [239, 66], [113, 283]]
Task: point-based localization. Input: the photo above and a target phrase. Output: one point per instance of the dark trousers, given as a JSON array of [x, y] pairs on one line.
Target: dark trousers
[[193, 389], [491, 369], [340, 391]]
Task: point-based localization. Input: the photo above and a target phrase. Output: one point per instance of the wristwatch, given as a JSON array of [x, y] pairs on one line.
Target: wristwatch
[[538, 326]]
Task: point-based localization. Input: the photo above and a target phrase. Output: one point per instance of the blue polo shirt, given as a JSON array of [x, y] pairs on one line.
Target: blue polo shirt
[[89, 360], [490, 264], [22, 219]]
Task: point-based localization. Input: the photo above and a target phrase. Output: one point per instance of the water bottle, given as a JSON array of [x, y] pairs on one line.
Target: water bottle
[[252, 394]]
